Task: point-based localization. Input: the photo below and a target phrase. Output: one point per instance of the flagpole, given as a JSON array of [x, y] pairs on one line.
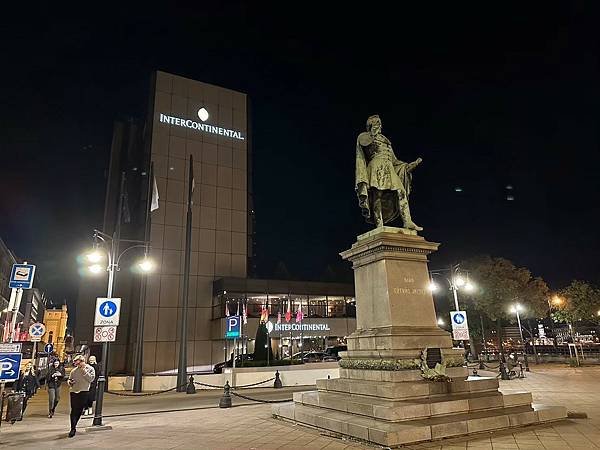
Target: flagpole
[[139, 343], [182, 367]]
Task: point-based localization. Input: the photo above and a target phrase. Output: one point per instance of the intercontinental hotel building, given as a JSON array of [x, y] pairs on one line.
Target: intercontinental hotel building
[[210, 123]]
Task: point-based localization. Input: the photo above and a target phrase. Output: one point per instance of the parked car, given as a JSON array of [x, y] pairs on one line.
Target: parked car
[[333, 352], [218, 368], [310, 356]]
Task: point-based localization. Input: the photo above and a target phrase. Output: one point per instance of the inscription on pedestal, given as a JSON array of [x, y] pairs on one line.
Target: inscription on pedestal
[[409, 290]]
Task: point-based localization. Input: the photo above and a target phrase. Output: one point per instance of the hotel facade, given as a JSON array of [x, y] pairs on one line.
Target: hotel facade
[[210, 123]]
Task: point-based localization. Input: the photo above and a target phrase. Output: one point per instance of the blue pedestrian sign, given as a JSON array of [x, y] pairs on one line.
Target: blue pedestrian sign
[[48, 348], [108, 311], [21, 276], [233, 327], [460, 326], [9, 366]]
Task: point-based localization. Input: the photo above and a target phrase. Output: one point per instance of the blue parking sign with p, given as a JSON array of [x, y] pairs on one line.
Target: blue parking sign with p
[[233, 327]]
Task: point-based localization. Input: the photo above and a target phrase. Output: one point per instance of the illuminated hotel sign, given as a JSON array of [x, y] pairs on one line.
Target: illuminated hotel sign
[[302, 327], [203, 115]]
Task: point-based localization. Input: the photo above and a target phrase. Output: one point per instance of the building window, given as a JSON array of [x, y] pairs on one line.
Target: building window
[[336, 306], [317, 306]]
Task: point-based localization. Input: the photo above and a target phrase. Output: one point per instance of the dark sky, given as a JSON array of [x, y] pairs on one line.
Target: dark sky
[[488, 96]]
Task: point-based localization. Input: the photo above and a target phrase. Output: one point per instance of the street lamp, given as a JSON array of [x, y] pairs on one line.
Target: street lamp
[[111, 247], [515, 309], [455, 282]]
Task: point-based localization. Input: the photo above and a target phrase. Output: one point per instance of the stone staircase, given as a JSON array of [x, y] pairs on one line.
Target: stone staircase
[[395, 412]]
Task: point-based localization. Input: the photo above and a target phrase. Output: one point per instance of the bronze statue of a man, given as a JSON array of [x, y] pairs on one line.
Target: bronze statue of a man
[[382, 180]]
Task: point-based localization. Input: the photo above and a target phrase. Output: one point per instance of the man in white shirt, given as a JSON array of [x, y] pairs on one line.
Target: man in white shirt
[[79, 383]]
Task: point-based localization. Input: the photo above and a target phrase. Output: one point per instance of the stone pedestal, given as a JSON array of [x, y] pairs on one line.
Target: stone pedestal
[[381, 395]]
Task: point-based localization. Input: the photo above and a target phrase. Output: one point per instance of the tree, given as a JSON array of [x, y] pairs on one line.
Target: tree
[[501, 285], [262, 344], [578, 301]]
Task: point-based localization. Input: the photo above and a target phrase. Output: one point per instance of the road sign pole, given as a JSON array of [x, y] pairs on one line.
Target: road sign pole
[[112, 266]]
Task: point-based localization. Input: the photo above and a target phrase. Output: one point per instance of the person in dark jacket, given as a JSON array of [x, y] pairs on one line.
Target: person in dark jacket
[[55, 377], [27, 383], [92, 395]]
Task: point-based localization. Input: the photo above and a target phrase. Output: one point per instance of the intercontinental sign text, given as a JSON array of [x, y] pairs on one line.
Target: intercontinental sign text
[[301, 327], [187, 123]]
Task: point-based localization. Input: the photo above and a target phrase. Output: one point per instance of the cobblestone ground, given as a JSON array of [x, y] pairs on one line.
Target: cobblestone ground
[[251, 426]]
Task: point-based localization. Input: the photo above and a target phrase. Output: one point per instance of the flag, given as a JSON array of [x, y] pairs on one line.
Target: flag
[[288, 314], [264, 314], [299, 315], [192, 182], [154, 201], [245, 314], [226, 309]]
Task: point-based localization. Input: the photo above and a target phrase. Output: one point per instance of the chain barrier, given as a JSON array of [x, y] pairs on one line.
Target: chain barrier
[[245, 386], [260, 401], [141, 394], [214, 386]]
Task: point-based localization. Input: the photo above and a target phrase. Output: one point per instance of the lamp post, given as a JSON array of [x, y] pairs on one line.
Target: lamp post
[[516, 308], [114, 257], [455, 282], [111, 244]]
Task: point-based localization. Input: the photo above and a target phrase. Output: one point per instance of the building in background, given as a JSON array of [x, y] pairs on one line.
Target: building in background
[[56, 330], [33, 301], [211, 124], [7, 259]]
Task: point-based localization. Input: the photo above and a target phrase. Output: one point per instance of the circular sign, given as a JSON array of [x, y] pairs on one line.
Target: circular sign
[[37, 329], [48, 348], [108, 309], [458, 318]]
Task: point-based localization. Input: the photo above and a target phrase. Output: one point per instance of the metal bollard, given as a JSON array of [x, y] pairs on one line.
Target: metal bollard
[[278, 384], [225, 401], [481, 364], [190, 389], [475, 374], [503, 374]]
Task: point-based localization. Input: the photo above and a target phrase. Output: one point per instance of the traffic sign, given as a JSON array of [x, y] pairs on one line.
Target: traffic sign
[[36, 331], [21, 276], [48, 348], [460, 327], [9, 366], [105, 334], [10, 348], [233, 327], [108, 311]]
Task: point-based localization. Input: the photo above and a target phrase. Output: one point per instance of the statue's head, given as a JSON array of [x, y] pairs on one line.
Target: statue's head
[[374, 124]]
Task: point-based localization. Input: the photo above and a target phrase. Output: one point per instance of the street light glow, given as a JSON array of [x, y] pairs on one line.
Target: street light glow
[[146, 264], [95, 268], [433, 287], [441, 322], [94, 256], [517, 307], [469, 287], [459, 281]]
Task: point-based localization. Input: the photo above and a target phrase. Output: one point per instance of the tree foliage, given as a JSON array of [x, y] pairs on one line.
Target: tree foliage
[[578, 301], [501, 285]]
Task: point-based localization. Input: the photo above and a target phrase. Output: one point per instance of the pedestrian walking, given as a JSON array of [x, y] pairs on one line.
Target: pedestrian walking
[[27, 383], [79, 382], [92, 395], [55, 377]]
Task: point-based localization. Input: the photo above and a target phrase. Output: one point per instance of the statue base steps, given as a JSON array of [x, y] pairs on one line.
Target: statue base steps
[[393, 413]]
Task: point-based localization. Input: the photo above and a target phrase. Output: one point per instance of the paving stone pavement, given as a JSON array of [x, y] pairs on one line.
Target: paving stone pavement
[[252, 427]]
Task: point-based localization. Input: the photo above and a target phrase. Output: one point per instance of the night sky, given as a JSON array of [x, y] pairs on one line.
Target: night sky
[[488, 97]]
